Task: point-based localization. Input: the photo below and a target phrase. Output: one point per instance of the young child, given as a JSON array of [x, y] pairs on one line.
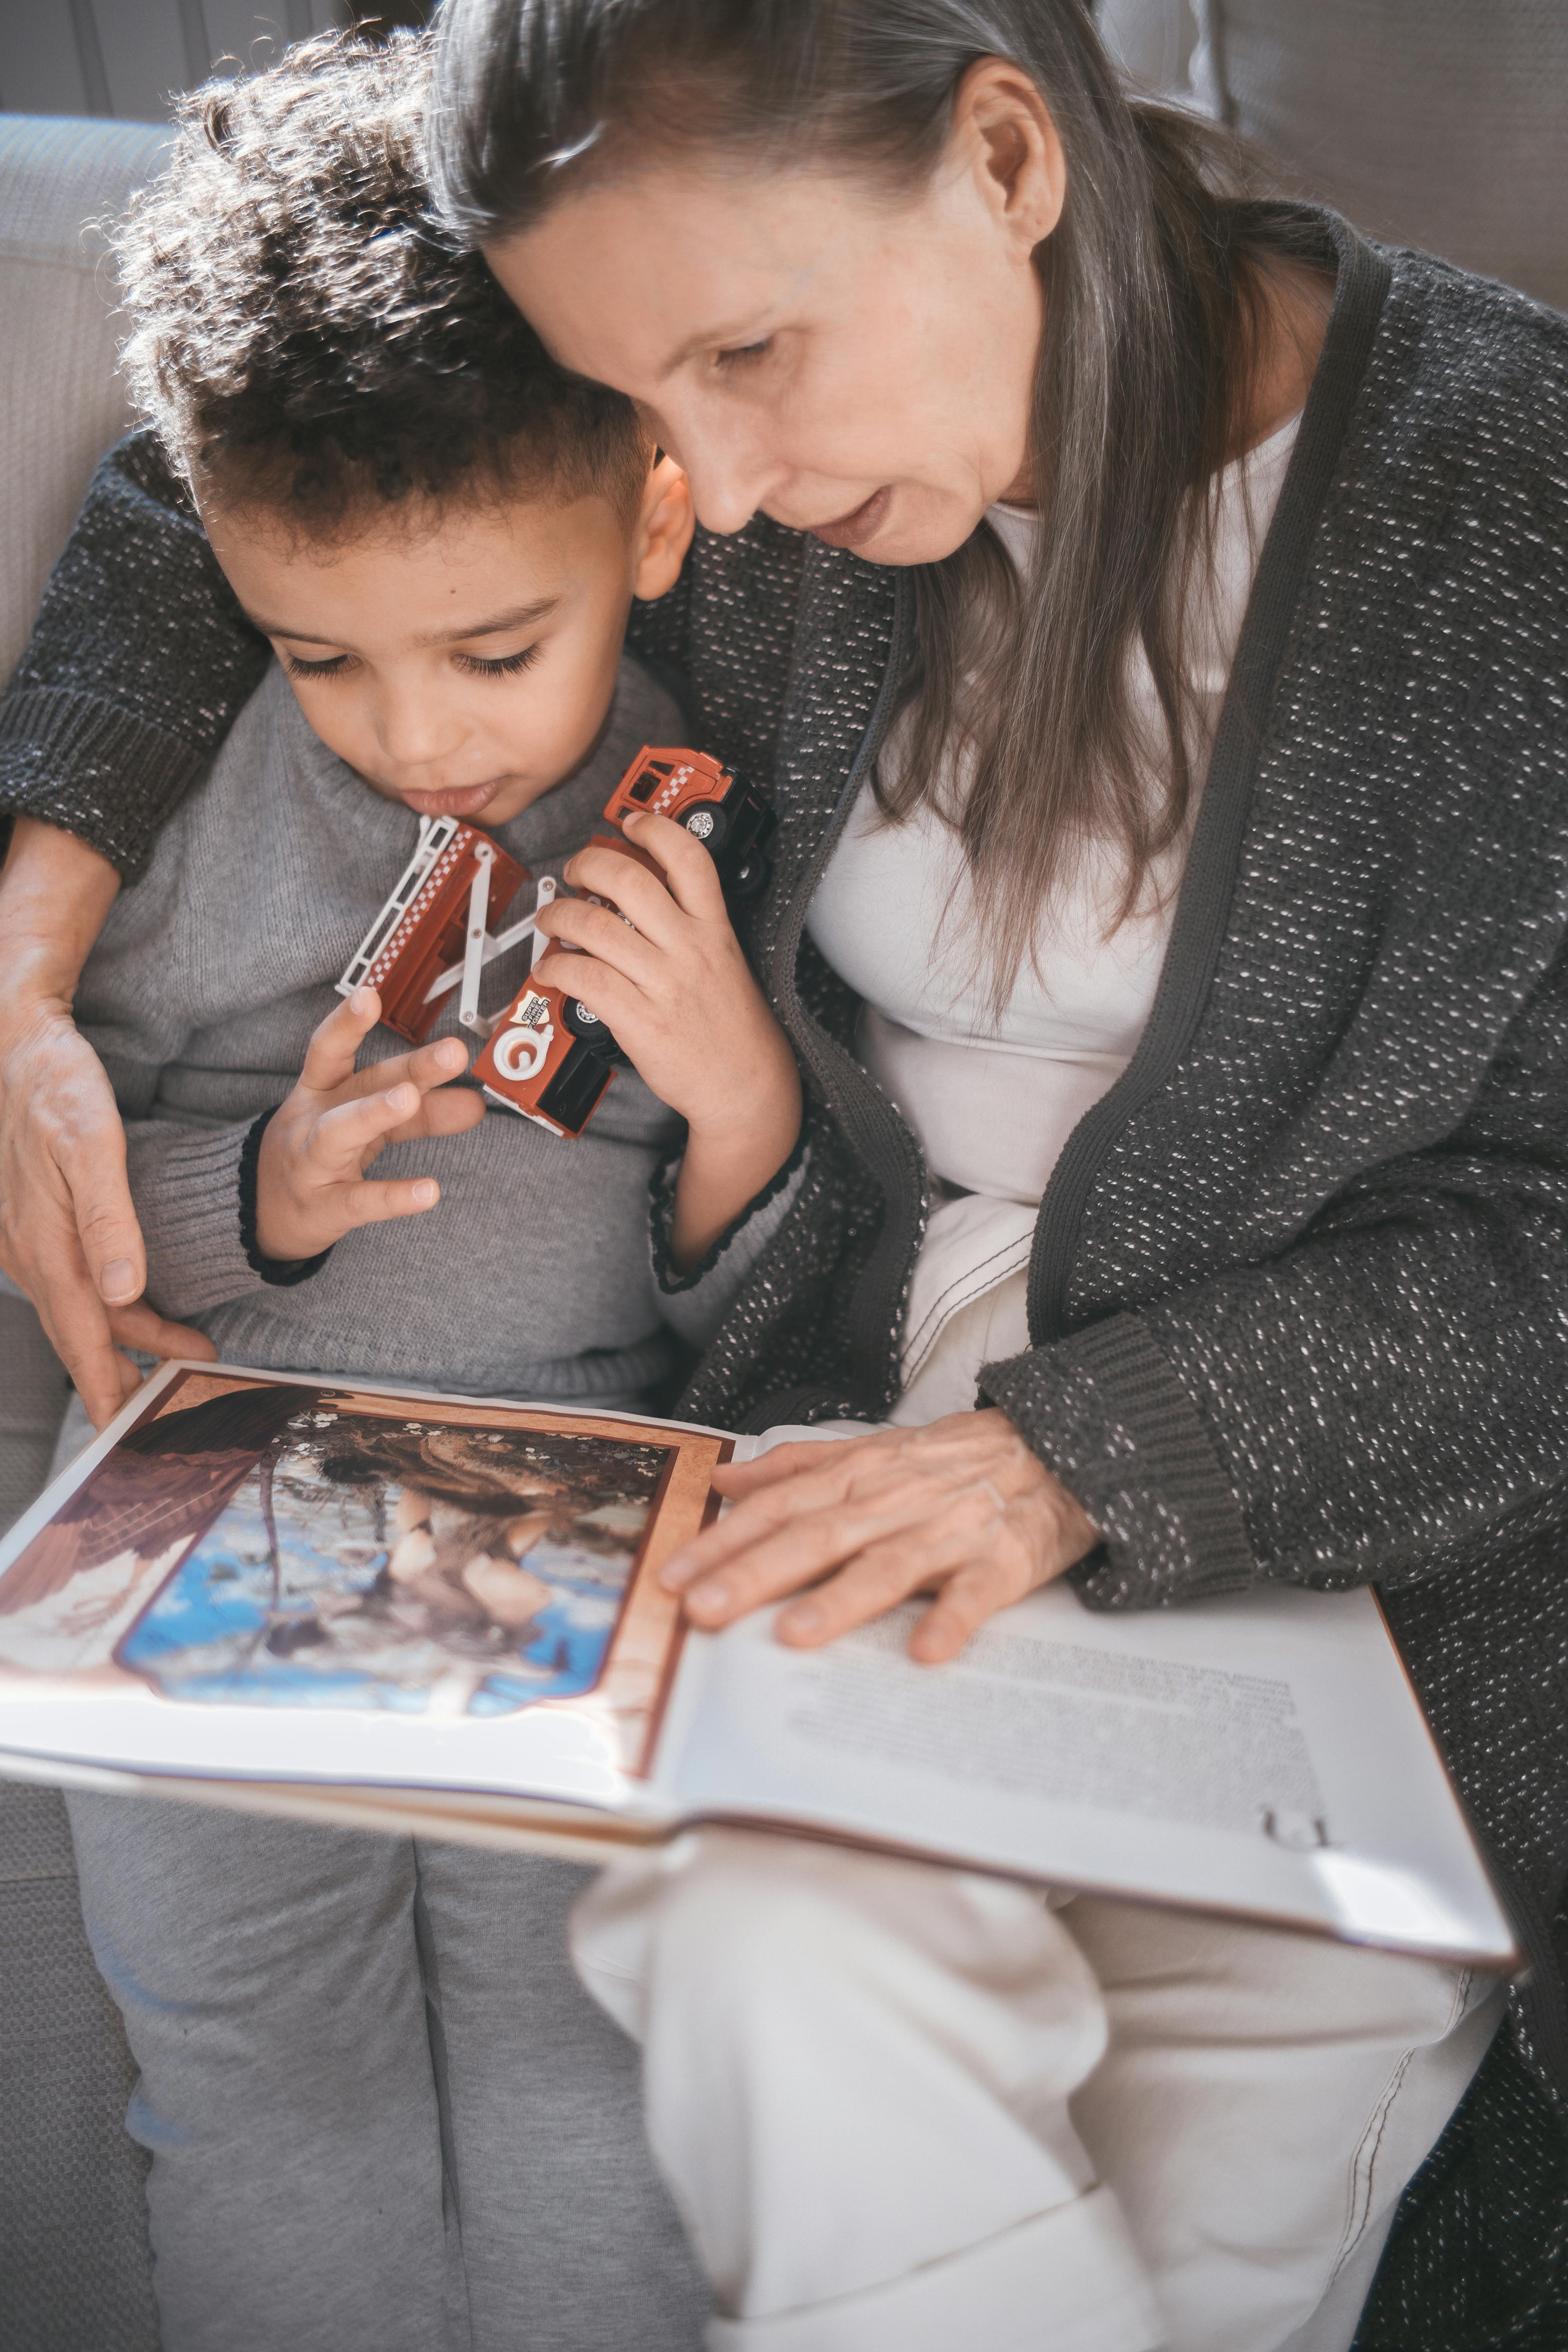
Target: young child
[[441, 536]]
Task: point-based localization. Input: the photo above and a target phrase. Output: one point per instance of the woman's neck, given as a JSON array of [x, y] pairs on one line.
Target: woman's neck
[[1294, 319]]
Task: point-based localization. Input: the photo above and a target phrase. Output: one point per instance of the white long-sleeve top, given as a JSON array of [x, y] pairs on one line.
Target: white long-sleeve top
[[994, 1098]]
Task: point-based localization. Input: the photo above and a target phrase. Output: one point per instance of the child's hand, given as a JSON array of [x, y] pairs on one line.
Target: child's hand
[[680, 996], [309, 1176]]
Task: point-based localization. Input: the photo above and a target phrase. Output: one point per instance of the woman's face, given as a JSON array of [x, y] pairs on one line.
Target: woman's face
[[852, 360]]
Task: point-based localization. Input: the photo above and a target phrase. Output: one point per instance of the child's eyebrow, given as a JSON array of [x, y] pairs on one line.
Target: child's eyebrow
[[522, 616]]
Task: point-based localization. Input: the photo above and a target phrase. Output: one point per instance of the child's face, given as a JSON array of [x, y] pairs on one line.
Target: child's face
[[462, 662]]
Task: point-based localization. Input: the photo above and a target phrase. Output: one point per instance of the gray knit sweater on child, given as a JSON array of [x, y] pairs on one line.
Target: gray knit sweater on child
[[532, 1277]]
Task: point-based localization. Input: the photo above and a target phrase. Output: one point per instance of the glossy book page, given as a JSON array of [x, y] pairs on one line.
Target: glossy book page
[[281, 1579]]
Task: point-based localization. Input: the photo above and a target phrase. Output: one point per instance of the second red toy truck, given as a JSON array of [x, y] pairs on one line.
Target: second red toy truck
[[728, 815]]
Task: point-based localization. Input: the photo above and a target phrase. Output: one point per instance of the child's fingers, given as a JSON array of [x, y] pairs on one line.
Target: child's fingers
[[441, 1114], [434, 1065], [618, 1002], [641, 896], [366, 1202], [334, 1042], [638, 956], [690, 872], [344, 1138]]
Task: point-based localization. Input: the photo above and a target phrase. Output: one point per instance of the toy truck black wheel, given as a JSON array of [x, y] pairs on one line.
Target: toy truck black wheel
[[709, 823], [573, 1095], [748, 878], [587, 1027]]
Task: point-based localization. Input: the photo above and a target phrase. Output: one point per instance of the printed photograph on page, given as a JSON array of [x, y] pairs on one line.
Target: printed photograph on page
[[257, 1543]]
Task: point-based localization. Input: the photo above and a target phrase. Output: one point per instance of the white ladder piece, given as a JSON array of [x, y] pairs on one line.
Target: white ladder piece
[[513, 936], [435, 832]]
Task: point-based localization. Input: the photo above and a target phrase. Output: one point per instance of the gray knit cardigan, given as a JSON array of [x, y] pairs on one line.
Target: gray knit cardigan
[[1300, 1287]]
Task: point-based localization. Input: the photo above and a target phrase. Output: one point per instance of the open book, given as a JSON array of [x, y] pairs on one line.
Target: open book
[[432, 1614]]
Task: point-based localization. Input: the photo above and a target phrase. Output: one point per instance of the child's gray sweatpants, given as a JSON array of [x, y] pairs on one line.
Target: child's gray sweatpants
[[383, 2115]]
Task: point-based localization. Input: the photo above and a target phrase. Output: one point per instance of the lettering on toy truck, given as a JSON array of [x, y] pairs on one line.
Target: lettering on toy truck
[[522, 1048]]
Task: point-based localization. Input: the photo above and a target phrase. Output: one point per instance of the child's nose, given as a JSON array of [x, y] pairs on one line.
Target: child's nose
[[415, 728]]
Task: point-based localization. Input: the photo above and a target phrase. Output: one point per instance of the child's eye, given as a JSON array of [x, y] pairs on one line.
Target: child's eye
[[504, 666], [332, 668]]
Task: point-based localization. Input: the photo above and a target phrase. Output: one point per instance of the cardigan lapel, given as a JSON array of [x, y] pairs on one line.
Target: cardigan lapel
[[1203, 906]]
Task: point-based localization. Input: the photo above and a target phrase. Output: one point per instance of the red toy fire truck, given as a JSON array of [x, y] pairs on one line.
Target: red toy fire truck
[[727, 814], [547, 1055], [438, 913]]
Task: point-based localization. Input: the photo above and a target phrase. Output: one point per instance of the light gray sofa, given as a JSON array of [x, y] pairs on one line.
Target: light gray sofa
[[1439, 123], [75, 2274]]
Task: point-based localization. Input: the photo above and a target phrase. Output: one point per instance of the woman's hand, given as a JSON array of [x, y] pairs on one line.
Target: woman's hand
[[960, 1507], [673, 985], [311, 1187], [68, 1234]]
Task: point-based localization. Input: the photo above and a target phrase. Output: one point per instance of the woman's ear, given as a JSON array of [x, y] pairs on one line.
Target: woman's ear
[[664, 524], [1005, 126]]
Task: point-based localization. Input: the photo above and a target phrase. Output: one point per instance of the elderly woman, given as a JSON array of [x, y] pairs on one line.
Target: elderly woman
[[1147, 604]]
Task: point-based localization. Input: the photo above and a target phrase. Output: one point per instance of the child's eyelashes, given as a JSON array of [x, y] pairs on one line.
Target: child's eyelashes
[[337, 665], [298, 667], [503, 666]]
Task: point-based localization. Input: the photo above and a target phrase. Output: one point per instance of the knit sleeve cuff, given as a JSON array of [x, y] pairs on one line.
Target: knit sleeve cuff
[[694, 1304], [1106, 1411], [91, 768], [196, 1196], [280, 1273]]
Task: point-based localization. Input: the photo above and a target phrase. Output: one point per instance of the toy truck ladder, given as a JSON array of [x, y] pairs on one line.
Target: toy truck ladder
[[396, 954], [435, 833]]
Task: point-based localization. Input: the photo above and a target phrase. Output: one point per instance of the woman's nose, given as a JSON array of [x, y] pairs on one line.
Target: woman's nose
[[726, 461]]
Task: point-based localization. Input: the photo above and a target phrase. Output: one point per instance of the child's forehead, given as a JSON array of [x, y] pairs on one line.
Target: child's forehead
[[423, 565]]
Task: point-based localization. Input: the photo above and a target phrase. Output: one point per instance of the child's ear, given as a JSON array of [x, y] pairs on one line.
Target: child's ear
[[665, 525]]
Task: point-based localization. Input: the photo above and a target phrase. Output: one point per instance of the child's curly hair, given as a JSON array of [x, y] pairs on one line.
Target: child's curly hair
[[307, 339]]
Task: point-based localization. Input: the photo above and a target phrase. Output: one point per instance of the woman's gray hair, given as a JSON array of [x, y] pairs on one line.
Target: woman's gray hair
[[1155, 299]]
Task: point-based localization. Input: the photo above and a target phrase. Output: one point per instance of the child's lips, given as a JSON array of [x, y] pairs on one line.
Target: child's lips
[[466, 800]]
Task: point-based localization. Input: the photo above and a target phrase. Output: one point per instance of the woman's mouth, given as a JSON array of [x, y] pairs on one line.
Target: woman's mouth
[[861, 524]]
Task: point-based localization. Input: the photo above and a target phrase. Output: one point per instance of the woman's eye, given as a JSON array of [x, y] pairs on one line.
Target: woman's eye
[[503, 666], [743, 354], [331, 666]]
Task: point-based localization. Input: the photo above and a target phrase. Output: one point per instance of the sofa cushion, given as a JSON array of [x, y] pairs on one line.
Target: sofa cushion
[[61, 403]]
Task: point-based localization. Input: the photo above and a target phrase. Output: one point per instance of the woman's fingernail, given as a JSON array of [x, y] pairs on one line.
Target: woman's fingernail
[[806, 1619], [676, 1570], [118, 1280], [426, 1191], [361, 1001], [711, 1594]]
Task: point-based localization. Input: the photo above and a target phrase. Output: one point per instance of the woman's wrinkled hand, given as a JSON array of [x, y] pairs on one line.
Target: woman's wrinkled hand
[[960, 1508], [68, 1234]]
